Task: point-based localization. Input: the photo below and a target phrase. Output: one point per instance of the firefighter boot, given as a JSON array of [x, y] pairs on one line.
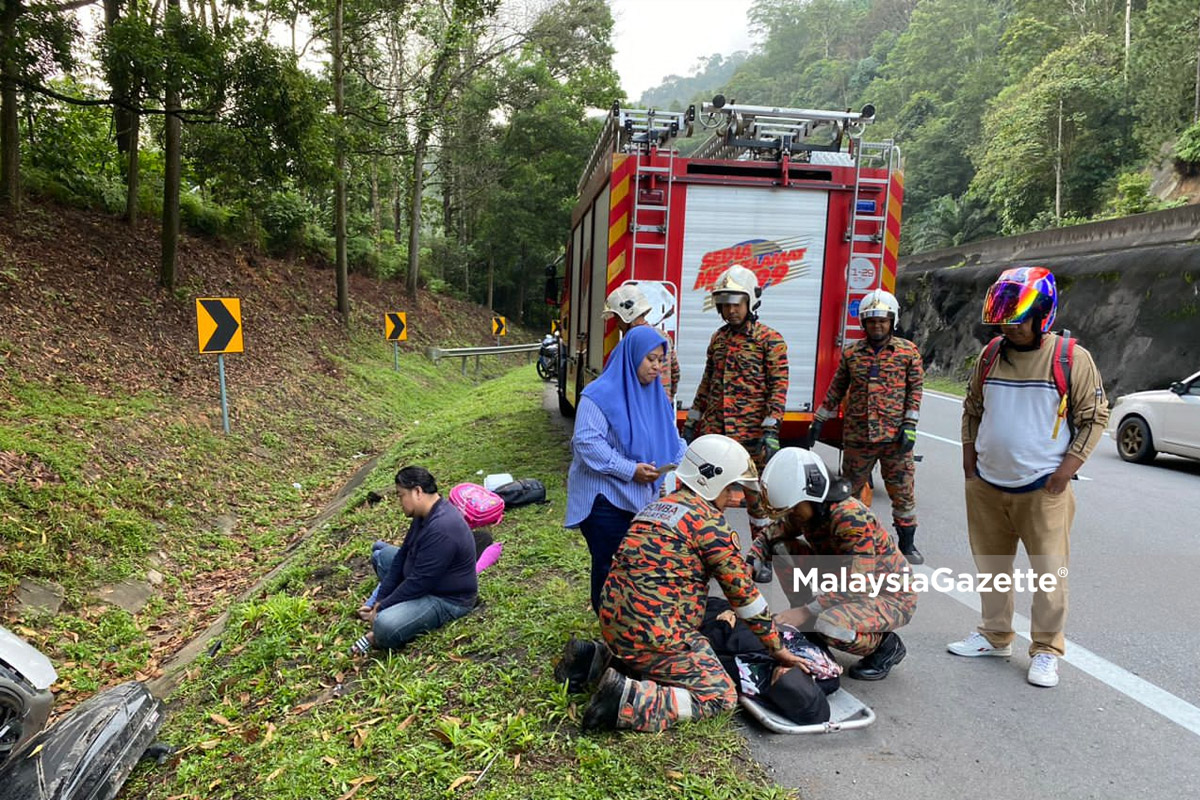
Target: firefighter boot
[[876, 665], [605, 708], [906, 534], [582, 664]]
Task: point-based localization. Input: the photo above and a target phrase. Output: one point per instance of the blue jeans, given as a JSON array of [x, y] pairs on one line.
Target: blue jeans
[[604, 529], [399, 624]]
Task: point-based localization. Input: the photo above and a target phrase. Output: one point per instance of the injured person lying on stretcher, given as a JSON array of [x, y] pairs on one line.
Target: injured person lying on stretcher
[[792, 693]]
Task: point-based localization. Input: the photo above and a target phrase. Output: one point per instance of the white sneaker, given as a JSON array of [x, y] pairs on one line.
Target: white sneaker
[[977, 645], [1044, 670]]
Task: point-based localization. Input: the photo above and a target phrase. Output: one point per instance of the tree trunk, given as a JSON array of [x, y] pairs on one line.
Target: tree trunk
[[397, 204], [1128, 16], [414, 211], [339, 193], [491, 282], [376, 211], [171, 170], [1196, 100], [1058, 166], [133, 173], [520, 302], [10, 145]]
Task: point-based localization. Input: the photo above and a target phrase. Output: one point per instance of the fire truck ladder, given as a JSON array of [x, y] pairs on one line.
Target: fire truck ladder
[[867, 242], [651, 217], [764, 132]]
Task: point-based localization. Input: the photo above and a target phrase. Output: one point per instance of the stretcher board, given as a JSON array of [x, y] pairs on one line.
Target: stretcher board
[[846, 712]]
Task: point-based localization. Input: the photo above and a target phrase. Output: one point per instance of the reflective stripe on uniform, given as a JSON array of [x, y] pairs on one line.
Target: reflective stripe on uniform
[[683, 702], [756, 607]]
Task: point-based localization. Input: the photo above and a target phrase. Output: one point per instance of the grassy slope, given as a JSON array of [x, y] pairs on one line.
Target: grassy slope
[[112, 463], [282, 712]]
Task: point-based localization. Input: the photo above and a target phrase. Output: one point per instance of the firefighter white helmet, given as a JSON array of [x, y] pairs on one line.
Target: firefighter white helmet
[[734, 282], [794, 476], [712, 462], [626, 302], [879, 303]]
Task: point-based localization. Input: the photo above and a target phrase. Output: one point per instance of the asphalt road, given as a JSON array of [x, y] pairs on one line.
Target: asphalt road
[[1124, 720]]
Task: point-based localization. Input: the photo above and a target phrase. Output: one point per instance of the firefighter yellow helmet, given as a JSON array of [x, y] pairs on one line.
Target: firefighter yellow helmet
[[879, 304], [733, 284]]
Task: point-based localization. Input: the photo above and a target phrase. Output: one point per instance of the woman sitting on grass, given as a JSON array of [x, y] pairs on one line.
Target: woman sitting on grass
[[427, 581]]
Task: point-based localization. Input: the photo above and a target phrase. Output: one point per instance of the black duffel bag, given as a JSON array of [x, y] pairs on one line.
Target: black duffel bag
[[522, 493]]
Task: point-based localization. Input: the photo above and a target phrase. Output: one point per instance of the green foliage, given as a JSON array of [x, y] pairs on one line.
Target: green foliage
[[1187, 150], [203, 216], [708, 76], [949, 222], [284, 216], [1061, 125], [1133, 194], [475, 698]]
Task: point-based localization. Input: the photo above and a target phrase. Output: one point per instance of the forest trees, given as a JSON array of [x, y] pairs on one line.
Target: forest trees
[[971, 90], [327, 125]]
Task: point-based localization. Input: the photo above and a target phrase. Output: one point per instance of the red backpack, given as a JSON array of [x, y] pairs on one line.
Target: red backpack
[[478, 505], [1060, 370]]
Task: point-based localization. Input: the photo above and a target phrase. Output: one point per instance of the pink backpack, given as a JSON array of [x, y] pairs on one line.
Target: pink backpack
[[478, 505]]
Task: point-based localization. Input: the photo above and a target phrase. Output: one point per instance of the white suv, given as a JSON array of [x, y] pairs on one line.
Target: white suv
[[1144, 424]]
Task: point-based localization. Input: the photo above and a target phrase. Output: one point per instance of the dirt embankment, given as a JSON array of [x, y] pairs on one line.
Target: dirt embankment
[[80, 302]]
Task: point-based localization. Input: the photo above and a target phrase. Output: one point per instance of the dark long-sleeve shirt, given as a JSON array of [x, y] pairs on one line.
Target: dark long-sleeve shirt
[[437, 557]]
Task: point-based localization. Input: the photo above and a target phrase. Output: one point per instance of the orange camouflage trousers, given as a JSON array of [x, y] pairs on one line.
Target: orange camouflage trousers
[[899, 474], [669, 688], [857, 627]]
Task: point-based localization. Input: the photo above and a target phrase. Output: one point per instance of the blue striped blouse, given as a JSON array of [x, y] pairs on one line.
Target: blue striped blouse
[[599, 467]]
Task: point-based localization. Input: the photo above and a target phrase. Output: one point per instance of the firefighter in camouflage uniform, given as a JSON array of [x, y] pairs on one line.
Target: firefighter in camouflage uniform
[[881, 379], [654, 600], [743, 392], [839, 532]]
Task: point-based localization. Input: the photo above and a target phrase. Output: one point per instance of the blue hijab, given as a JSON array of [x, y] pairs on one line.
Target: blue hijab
[[641, 416]]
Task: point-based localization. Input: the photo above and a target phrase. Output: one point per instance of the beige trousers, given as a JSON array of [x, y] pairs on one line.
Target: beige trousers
[[996, 522]]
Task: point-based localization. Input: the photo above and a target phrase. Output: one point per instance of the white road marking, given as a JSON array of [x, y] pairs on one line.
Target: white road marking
[[941, 396], [939, 438], [1158, 700], [959, 444]]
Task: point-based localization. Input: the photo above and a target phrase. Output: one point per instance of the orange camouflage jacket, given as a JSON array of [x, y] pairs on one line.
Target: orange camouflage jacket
[[882, 390], [656, 592], [745, 381]]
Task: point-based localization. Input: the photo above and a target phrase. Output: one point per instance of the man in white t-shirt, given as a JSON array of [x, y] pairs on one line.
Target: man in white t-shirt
[[1035, 409]]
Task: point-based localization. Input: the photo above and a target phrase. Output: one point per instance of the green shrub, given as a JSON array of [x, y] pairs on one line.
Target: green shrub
[[201, 216], [1187, 151], [284, 217]]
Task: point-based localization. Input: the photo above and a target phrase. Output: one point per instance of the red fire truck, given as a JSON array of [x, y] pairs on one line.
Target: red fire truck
[[796, 195]]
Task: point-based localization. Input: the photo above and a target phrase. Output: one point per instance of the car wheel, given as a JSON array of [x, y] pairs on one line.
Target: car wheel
[[1134, 442], [12, 712]]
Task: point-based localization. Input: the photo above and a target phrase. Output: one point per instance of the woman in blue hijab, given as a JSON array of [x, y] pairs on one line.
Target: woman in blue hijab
[[625, 441]]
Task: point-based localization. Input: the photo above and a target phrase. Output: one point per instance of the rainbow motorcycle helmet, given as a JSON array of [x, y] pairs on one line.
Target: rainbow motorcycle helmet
[[1020, 293]]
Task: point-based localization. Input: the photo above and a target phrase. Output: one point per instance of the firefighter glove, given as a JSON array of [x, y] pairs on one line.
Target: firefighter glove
[[814, 431], [769, 444], [907, 438]]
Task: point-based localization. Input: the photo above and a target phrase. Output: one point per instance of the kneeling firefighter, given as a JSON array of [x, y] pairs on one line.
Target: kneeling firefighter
[[652, 605], [833, 523]]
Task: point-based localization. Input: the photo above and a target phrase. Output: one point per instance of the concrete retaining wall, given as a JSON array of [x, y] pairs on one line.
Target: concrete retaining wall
[[1128, 288]]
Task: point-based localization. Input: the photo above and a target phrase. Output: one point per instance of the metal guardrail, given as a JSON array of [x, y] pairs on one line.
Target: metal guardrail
[[436, 354]]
